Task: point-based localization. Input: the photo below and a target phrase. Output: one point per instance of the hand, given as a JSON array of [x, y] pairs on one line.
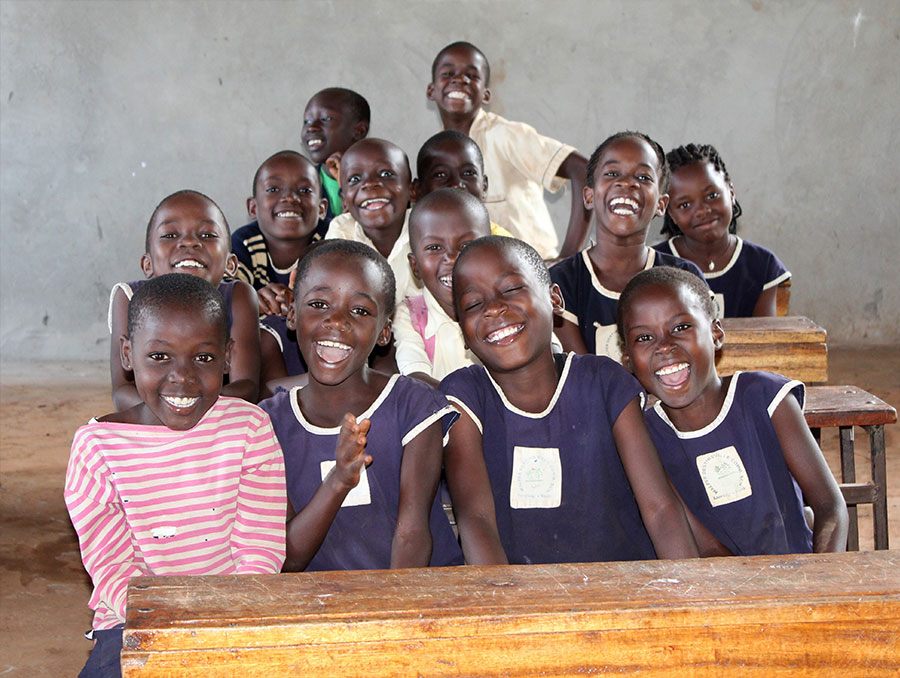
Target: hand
[[275, 299], [350, 453], [333, 165]]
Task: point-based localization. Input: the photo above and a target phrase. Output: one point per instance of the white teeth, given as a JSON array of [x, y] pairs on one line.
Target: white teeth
[[446, 280], [189, 263], [457, 95], [314, 143], [376, 203], [288, 215], [623, 206], [671, 369], [333, 344], [503, 332], [180, 403]]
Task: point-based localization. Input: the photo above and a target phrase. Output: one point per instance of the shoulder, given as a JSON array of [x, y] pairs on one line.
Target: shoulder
[[245, 233], [415, 392], [238, 290], [661, 258], [567, 268], [342, 226], [238, 408], [761, 257], [767, 389], [277, 403], [664, 247], [464, 379]]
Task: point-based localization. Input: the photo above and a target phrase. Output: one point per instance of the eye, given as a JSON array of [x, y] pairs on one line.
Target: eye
[[306, 190], [209, 234], [158, 356], [317, 304], [386, 174], [439, 174], [353, 179], [361, 311], [469, 173], [684, 205], [611, 173], [272, 189], [641, 338], [433, 247], [513, 289], [307, 121], [470, 304], [168, 236], [326, 118], [644, 177], [714, 195], [205, 358], [681, 327]]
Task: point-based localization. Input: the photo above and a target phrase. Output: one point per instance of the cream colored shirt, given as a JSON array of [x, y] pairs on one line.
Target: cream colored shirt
[[520, 164]]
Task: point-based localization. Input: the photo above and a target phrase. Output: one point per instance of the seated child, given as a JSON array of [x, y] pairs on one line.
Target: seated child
[[362, 449], [533, 476], [737, 449], [286, 205], [701, 221], [627, 178], [187, 233], [520, 162], [429, 342], [185, 482], [375, 184], [334, 119]]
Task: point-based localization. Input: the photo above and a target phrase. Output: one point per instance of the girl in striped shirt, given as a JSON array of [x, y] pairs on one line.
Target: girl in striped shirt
[[187, 482]]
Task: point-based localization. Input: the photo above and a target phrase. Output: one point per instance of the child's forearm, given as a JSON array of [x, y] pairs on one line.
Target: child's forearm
[[307, 530], [670, 532], [830, 529], [411, 547], [574, 168]]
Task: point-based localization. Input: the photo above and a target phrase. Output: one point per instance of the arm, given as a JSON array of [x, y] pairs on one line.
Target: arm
[[660, 508], [807, 465], [569, 335], [574, 168], [470, 491], [124, 392], [275, 299], [420, 472], [707, 544], [271, 363], [307, 529], [412, 359], [765, 304], [243, 375]]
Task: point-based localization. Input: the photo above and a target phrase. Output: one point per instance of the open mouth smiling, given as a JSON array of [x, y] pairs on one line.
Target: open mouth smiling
[[623, 206], [674, 375], [189, 263], [332, 352], [374, 204], [505, 335], [181, 402]]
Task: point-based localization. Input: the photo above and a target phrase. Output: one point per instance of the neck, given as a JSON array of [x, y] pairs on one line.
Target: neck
[[385, 236], [704, 409], [705, 253], [531, 387], [325, 405], [460, 122], [619, 257], [286, 253]]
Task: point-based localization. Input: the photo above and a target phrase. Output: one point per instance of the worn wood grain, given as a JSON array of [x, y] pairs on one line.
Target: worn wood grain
[[793, 345], [797, 615], [845, 406]]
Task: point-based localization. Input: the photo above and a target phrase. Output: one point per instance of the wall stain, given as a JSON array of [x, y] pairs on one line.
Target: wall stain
[[45, 319], [99, 230]]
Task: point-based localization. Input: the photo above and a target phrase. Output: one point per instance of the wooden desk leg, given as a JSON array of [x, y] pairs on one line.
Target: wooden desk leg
[[879, 478], [848, 475]]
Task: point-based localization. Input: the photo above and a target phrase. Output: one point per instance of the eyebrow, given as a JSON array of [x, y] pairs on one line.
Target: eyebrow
[[619, 162]]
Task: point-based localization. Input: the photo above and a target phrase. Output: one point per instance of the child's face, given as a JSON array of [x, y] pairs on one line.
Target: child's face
[[329, 127], [339, 314], [670, 343], [505, 312], [441, 235], [178, 357], [286, 200], [460, 81], [375, 184], [625, 196], [189, 236], [451, 164], [701, 202]]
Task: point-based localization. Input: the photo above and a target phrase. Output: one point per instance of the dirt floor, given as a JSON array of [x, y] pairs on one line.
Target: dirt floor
[[43, 587]]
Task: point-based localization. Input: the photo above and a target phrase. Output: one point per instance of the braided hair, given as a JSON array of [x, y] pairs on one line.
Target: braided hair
[[662, 166]]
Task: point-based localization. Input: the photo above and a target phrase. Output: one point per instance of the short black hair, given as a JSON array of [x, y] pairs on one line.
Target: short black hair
[[180, 194], [179, 291], [442, 137], [667, 276], [286, 152], [467, 45], [502, 243], [454, 198], [351, 248], [354, 102], [661, 163], [692, 154], [384, 143]]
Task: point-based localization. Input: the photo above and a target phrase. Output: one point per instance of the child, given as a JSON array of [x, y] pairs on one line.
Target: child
[[286, 205], [737, 449], [430, 344], [352, 517], [627, 178], [185, 482], [375, 184], [187, 233], [334, 119], [534, 478], [701, 222], [520, 162]]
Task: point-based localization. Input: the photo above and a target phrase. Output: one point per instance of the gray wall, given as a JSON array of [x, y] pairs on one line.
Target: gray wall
[[107, 107]]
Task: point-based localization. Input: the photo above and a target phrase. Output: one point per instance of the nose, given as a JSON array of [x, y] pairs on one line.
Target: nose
[[313, 125], [189, 240], [495, 307], [337, 319], [182, 372]]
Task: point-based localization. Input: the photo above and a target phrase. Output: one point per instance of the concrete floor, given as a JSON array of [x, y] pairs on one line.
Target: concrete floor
[[43, 587]]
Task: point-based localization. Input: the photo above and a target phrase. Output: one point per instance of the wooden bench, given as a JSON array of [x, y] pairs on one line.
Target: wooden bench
[[793, 346], [772, 615], [845, 407]]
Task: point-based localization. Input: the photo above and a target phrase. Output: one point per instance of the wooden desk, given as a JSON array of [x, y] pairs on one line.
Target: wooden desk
[[792, 345], [784, 615]]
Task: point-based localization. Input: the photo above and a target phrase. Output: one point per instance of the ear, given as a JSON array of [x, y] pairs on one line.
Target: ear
[[147, 265], [484, 187], [731, 191], [231, 265], [323, 210], [556, 298], [662, 204], [587, 196], [626, 362], [414, 189], [429, 92], [718, 334], [360, 130], [384, 337], [125, 353], [414, 265], [291, 319], [251, 206], [486, 99], [228, 348]]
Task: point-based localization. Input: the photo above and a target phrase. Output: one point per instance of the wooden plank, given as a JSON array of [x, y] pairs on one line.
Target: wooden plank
[[797, 615], [794, 346], [845, 406], [792, 329]]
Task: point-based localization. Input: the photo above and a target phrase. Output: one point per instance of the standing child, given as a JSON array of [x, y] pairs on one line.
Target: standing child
[[334, 119], [362, 449], [187, 233], [701, 222], [185, 482], [532, 478], [737, 449], [520, 162], [627, 178]]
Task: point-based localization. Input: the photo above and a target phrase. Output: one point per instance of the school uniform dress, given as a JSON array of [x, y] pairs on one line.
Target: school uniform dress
[[276, 327], [560, 492], [520, 164], [732, 474], [226, 289], [255, 266], [591, 306], [362, 532], [751, 271]]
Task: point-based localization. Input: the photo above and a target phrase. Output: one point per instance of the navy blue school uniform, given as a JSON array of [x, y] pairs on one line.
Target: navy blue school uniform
[[255, 266], [362, 532], [560, 491], [751, 271], [276, 326], [591, 306], [732, 474]]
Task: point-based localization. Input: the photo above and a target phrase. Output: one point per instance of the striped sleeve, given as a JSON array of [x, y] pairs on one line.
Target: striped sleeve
[[258, 535]]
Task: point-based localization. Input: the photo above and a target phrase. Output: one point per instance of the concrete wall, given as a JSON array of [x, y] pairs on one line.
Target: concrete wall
[[106, 107]]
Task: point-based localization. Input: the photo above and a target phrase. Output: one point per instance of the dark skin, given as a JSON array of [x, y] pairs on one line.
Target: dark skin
[[495, 293], [329, 129], [460, 89]]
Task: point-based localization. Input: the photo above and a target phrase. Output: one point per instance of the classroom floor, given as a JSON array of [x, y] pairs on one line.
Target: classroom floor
[[43, 587]]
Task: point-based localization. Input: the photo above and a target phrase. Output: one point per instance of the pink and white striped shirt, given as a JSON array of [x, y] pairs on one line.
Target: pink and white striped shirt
[[147, 500]]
